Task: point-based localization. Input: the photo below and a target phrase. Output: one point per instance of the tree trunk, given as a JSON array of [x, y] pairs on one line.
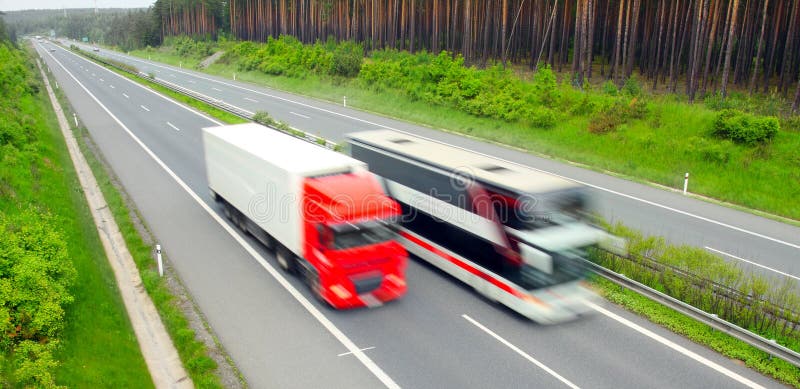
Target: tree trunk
[[618, 43], [659, 47], [760, 46], [787, 51], [634, 35], [674, 43], [729, 50], [796, 103], [712, 38]]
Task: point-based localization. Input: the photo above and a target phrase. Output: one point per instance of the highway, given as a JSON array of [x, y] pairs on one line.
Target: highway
[[441, 334], [752, 242]]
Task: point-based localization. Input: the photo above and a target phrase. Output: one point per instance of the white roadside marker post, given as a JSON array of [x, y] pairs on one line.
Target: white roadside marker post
[[344, 101], [685, 182], [75, 116], [160, 263]]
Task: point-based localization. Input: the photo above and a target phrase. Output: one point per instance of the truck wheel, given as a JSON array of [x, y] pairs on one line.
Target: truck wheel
[[312, 280], [226, 209], [241, 221], [285, 260]]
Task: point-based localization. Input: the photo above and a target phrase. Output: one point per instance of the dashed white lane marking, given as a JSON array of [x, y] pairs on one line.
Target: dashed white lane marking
[[126, 96], [522, 353], [173, 126], [249, 99], [216, 89], [751, 262], [297, 114], [145, 108], [112, 86]]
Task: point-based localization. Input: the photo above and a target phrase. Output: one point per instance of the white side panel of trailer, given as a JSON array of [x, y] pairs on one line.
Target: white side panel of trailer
[[267, 194]]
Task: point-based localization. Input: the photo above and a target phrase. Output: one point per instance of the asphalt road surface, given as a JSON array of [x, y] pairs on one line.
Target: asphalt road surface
[[441, 334]]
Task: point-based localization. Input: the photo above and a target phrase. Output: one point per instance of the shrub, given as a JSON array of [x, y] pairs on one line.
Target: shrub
[[35, 276], [347, 59], [745, 128], [543, 117], [632, 87], [617, 114], [34, 364], [610, 88], [264, 118], [545, 86]]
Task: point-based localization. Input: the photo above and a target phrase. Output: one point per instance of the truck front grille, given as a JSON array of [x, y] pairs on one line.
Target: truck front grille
[[366, 283]]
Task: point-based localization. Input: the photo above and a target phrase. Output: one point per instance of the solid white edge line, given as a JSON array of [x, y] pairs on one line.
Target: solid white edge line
[[316, 313], [751, 262], [520, 352], [685, 213], [145, 108], [675, 346], [173, 126]]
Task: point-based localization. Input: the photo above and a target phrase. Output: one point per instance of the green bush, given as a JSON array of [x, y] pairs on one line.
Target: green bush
[[543, 117], [545, 86], [745, 128], [610, 88], [264, 118], [632, 87], [35, 276], [34, 364], [347, 59]]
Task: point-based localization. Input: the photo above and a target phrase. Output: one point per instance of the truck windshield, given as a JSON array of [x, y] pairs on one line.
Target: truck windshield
[[349, 235]]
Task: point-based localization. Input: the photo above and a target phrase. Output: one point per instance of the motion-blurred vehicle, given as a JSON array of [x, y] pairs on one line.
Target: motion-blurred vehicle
[[517, 235], [323, 213]]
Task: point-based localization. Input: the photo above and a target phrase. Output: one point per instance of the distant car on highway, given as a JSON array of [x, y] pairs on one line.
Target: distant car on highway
[[95, 49]]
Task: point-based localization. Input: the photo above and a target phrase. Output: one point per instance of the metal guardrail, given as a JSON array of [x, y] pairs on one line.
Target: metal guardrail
[[768, 346]]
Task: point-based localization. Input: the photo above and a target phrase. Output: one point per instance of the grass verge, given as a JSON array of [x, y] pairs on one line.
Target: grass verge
[[699, 333], [193, 353]]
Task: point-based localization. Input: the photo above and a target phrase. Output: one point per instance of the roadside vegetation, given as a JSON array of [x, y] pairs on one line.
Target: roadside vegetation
[[63, 321], [738, 149]]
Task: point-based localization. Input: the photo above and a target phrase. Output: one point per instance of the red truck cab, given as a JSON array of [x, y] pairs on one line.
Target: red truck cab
[[350, 241]]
